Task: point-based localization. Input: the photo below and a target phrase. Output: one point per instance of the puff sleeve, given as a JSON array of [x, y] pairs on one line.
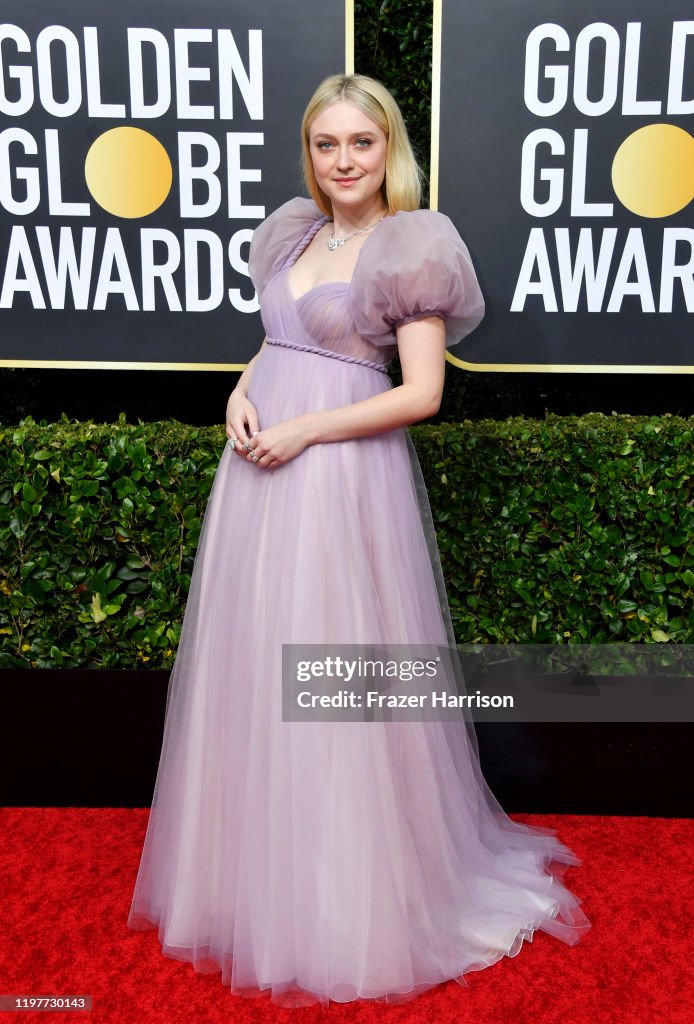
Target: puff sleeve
[[277, 236], [415, 264]]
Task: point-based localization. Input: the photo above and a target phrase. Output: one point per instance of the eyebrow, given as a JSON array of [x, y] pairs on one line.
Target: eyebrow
[[354, 135]]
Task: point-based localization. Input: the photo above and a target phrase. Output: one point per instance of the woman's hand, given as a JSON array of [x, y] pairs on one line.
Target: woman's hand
[[241, 420], [279, 444]]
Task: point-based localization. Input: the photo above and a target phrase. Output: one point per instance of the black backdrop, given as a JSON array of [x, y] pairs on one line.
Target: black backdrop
[[393, 44]]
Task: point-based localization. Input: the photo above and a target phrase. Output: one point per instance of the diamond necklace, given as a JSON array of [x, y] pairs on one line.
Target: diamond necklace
[[334, 243]]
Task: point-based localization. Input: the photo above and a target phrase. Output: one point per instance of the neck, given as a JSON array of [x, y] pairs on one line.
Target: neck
[[351, 218]]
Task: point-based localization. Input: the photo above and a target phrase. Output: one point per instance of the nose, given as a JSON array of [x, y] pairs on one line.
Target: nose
[[344, 157]]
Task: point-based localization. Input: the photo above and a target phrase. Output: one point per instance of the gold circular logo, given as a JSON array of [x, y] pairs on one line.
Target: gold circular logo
[[653, 170], [128, 172]]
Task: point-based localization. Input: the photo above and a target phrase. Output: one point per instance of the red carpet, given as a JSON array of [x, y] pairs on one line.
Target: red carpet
[[66, 881]]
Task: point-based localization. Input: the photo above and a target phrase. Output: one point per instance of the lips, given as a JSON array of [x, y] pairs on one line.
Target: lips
[[346, 180]]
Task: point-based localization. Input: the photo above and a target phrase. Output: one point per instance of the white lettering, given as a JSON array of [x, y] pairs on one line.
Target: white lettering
[[44, 62], [18, 252], [21, 73], [114, 254], [555, 175], [535, 256], [30, 175], [573, 274], [634, 255], [185, 73], [671, 269], [193, 239], [56, 205], [235, 174], [136, 39], [579, 206], [558, 73], [164, 271], [610, 76], [95, 107], [206, 172], [681, 30], [632, 55], [231, 70], [236, 262], [57, 271]]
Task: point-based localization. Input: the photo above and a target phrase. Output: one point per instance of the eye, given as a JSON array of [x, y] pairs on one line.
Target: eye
[[366, 141], [321, 144]]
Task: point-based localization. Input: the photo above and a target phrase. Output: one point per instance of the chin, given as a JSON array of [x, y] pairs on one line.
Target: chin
[[355, 194]]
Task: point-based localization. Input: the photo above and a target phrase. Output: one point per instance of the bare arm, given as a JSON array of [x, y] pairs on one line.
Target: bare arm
[[421, 345]]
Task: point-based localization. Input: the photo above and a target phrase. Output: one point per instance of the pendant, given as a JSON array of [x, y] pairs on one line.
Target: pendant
[[334, 243]]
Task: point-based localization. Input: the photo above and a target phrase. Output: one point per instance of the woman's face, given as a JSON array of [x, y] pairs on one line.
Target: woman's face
[[348, 150]]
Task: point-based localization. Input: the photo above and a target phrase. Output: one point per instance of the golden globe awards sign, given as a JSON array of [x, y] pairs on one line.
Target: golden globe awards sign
[[566, 159], [140, 144]]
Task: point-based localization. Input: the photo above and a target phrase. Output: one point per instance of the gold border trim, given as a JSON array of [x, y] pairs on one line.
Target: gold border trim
[[88, 364], [567, 367], [437, 18], [435, 105], [349, 37]]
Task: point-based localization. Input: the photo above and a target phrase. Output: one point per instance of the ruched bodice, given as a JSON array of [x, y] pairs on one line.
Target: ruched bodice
[[320, 320], [413, 264]]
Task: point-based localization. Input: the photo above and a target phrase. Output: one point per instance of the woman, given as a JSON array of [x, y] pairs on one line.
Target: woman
[[334, 860]]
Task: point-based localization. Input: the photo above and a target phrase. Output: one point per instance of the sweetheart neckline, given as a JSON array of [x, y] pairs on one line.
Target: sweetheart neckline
[[304, 243], [316, 287]]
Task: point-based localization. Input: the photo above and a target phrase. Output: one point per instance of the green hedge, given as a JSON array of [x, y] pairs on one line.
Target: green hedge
[[567, 529], [560, 530]]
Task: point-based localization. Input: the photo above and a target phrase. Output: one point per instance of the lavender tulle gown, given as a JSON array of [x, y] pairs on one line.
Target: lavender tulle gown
[[338, 860]]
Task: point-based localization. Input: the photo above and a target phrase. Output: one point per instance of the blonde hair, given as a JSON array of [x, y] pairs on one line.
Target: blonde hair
[[402, 184]]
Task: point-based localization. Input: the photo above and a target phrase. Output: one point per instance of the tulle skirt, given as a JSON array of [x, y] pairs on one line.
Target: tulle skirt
[[334, 860]]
